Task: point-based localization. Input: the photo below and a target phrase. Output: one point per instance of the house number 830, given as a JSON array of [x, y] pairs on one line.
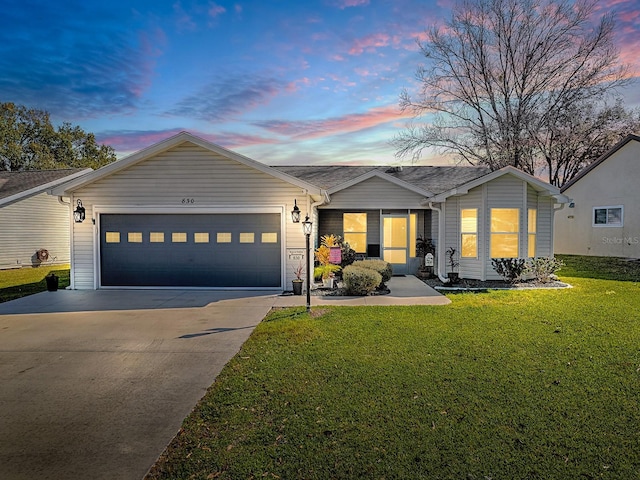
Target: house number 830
[[188, 200]]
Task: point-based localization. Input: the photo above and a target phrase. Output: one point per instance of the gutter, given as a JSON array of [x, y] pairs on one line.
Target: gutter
[[440, 245]]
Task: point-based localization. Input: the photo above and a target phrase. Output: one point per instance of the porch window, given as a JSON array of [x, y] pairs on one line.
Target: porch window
[[608, 216], [354, 226], [505, 229], [469, 232], [531, 232]]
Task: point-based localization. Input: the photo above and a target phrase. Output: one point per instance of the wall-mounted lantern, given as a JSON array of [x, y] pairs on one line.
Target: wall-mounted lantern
[[295, 213], [79, 213]]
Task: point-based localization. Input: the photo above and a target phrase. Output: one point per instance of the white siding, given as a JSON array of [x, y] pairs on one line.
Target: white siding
[[376, 193], [472, 267], [185, 172], [28, 225], [451, 221]]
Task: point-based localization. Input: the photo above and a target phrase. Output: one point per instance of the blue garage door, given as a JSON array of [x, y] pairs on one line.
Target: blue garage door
[[194, 250]]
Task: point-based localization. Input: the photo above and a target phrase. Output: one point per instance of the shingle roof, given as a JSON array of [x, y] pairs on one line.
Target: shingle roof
[[436, 179], [12, 183]]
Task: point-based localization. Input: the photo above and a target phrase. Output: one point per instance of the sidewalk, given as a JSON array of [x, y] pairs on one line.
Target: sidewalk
[[407, 290]]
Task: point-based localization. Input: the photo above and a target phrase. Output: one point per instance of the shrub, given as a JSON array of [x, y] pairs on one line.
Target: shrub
[[511, 269], [360, 281], [383, 268], [324, 271], [543, 268]]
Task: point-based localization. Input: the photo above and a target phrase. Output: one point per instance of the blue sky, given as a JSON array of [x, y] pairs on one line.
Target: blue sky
[[284, 82]]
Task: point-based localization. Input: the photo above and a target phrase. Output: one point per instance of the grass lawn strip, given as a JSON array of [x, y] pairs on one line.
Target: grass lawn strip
[[527, 384], [20, 282]]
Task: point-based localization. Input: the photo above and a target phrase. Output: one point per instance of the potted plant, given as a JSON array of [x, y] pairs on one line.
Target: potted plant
[[453, 264], [298, 281]]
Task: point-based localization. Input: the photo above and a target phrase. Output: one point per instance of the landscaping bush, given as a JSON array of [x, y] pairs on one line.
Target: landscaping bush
[[511, 269], [543, 268], [383, 268], [360, 281]]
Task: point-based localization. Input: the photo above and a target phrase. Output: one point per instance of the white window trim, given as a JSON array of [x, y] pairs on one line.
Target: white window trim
[[607, 225]]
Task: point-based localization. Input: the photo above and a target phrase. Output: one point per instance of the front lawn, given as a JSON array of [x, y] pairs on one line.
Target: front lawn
[[503, 385], [20, 282]]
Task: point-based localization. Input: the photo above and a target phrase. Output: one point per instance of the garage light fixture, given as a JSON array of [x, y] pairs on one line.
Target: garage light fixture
[[79, 213], [295, 213]]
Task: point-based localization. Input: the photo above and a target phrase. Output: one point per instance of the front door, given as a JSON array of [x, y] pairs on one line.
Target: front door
[[395, 242]]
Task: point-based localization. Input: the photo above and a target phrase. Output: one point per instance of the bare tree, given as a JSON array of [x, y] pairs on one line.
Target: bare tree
[[501, 71]]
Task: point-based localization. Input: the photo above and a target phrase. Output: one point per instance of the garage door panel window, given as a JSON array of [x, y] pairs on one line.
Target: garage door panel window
[[134, 237], [223, 237], [156, 237], [201, 237], [269, 237], [247, 237], [179, 237], [112, 237]]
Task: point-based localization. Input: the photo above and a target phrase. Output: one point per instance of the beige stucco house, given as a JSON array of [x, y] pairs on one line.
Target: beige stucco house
[[34, 226], [188, 213], [603, 218]]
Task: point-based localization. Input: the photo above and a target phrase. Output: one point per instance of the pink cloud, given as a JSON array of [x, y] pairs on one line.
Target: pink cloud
[[342, 4], [304, 130], [369, 43], [215, 10]]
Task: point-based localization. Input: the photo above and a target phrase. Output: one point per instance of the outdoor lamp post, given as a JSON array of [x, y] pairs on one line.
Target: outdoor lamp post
[[295, 213], [306, 228], [79, 213]]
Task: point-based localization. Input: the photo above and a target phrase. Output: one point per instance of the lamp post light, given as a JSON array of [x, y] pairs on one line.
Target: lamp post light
[[306, 228]]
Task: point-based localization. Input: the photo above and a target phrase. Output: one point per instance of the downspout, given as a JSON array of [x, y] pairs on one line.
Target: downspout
[[440, 246], [311, 207]]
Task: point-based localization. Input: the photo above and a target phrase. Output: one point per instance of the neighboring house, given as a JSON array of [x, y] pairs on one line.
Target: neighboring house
[[603, 218], [31, 220], [188, 213]]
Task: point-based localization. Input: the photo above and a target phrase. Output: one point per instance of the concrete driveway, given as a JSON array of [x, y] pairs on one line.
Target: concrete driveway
[[95, 384]]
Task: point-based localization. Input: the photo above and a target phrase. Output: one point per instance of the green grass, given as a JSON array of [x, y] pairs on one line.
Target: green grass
[[20, 282], [505, 385]]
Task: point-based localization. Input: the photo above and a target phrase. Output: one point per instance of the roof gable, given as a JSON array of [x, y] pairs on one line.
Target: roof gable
[[383, 176], [605, 156], [535, 183], [174, 141]]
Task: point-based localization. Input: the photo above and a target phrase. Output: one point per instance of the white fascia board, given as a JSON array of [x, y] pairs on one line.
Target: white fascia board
[[46, 187], [174, 141], [384, 176]]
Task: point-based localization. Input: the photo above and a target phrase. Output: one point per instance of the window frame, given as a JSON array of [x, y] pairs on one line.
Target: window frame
[[365, 233], [532, 235], [469, 233], [516, 233], [607, 208]]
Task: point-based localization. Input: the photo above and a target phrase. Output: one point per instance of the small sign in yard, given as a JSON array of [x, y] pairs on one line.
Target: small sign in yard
[[428, 260]]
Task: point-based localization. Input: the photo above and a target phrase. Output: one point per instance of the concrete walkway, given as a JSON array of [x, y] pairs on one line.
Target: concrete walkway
[[407, 290]]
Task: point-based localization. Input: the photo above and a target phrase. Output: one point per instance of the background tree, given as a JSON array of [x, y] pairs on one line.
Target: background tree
[[502, 76], [28, 141]]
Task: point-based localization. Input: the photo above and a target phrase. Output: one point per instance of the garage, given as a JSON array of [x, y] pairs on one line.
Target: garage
[[220, 250]]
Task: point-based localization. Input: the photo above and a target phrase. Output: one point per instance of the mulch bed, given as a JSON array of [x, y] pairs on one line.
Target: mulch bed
[[480, 285]]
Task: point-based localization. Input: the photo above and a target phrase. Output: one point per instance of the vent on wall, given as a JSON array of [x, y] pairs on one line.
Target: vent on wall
[[393, 169]]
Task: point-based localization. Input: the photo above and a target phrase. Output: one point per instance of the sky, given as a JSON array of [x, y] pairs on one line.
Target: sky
[[283, 82]]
